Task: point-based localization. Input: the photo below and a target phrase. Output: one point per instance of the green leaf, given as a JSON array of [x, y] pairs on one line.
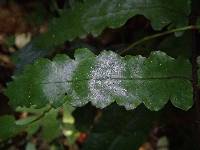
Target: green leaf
[[50, 125], [26, 120], [44, 118], [127, 130], [93, 16], [8, 127], [31, 110], [103, 79]]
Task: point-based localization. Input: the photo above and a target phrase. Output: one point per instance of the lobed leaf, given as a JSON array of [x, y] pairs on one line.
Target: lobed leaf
[[93, 16], [101, 80]]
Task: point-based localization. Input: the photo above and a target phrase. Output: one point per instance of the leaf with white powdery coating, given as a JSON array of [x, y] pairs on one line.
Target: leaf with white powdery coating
[[101, 80]]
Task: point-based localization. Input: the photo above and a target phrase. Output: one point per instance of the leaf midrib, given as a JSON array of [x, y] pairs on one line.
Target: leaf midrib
[[128, 79]]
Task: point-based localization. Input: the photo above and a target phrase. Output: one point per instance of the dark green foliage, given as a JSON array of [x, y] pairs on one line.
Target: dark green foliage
[[8, 127], [93, 16], [119, 129]]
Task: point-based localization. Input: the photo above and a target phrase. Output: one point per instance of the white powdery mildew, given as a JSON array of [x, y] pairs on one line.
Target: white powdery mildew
[[105, 79], [77, 101], [58, 80], [136, 70]]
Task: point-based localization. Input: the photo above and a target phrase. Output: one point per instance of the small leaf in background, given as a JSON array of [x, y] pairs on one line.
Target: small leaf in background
[[48, 122], [8, 127], [43, 119], [50, 126]]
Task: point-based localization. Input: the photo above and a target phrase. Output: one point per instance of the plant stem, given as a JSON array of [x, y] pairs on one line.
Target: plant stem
[[41, 115], [196, 90], [147, 38]]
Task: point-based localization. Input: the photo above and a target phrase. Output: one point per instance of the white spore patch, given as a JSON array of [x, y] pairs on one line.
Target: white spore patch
[[57, 83], [106, 77]]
